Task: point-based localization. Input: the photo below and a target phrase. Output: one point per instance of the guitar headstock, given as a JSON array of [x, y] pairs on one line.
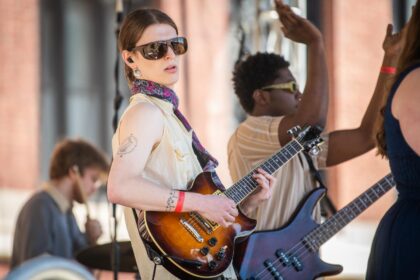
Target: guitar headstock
[[309, 137]]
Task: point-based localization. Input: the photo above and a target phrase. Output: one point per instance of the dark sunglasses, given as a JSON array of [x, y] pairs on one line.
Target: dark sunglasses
[[157, 50]]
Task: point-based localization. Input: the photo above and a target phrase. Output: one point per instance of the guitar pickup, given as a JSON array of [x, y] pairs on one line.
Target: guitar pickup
[[205, 224], [191, 230], [297, 264], [283, 257], [273, 270]]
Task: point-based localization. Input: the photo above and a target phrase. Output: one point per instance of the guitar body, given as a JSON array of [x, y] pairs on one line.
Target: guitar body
[[190, 243], [253, 256]]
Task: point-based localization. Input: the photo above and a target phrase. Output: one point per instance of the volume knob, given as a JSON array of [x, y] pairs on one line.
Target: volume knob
[[212, 241]]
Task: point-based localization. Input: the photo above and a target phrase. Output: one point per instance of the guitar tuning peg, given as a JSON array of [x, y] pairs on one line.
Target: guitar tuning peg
[[294, 131], [314, 151]]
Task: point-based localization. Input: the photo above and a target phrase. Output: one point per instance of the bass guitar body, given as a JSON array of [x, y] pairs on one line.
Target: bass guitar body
[[282, 254], [291, 252]]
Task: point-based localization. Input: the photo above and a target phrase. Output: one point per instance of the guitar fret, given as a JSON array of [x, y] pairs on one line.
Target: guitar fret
[[277, 160], [359, 210], [366, 196], [363, 205], [380, 186], [346, 214], [372, 194], [359, 205], [267, 168], [248, 188], [297, 148], [242, 193]]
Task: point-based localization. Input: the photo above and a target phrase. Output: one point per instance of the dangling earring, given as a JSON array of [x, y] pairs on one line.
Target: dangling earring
[[137, 73]]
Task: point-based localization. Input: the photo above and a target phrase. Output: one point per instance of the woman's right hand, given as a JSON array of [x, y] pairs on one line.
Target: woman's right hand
[[218, 209]]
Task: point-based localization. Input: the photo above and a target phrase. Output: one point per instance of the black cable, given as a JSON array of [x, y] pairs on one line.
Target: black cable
[[326, 203], [154, 272]]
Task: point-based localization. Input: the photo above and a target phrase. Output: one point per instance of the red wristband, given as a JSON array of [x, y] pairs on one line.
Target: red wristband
[[388, 70], [180, 203]]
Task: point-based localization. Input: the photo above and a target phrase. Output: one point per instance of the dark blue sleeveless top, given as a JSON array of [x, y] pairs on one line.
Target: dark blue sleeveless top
[[404, 162]]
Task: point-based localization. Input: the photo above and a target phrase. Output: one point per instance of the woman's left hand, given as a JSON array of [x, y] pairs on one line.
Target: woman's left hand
[[393, 42], [265, 183]]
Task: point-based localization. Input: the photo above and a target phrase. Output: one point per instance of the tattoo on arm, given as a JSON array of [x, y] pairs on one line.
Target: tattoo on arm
[[171, 202], [127, 146]]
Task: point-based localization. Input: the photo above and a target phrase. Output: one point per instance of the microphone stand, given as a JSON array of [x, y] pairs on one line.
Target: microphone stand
[[115, 258]]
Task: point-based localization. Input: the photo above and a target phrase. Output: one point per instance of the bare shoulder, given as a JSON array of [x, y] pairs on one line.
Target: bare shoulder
[[407, 95], [413, 77], [143, 120], [405, 108], [143, 111]]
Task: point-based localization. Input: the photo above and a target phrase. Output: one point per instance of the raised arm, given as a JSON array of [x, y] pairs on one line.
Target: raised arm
[[313, 106], [362, 138]]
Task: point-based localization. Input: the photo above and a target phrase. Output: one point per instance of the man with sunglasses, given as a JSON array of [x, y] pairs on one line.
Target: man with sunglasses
[[268, 92]]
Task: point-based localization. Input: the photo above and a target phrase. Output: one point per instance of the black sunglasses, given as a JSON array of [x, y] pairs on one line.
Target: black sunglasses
[[158, 49]]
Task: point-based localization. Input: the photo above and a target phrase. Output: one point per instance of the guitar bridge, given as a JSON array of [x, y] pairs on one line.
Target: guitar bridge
[[191, 230]]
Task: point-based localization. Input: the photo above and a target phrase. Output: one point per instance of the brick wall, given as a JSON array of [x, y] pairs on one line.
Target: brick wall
[[19, 93], [355, 31], [19, 112]]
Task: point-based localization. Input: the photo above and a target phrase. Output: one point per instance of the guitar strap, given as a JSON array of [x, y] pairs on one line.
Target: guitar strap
[[327, 207], [154, 256]]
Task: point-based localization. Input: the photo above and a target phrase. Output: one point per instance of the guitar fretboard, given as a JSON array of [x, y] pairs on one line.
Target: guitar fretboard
[[334, 224], [244, 187]]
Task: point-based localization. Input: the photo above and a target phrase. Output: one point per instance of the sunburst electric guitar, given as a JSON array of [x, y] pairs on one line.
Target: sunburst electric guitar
[[291, 252], [196, 248]]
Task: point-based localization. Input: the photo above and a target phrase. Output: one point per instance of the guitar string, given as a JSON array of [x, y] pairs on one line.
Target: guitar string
[[293, 148], [315, 230], [247, 179], [285, 152], [275, 262], [390, 183]]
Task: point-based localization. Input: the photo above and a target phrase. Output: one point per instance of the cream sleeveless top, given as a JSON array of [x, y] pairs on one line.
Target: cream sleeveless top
[[172, 163]]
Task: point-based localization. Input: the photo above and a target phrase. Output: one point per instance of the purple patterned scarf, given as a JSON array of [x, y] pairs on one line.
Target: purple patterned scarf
[[150, 88]]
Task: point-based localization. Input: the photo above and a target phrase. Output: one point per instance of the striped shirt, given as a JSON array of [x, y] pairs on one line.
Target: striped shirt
[[254, 141]]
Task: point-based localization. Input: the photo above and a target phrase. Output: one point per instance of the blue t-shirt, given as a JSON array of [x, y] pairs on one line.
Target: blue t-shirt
[[43, 228]]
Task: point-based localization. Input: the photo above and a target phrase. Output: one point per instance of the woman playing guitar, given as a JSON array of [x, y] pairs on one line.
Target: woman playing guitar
[[156, 153]]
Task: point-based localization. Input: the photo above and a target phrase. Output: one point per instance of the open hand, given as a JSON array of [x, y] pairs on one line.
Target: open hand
[[297, 28], [393, 43]]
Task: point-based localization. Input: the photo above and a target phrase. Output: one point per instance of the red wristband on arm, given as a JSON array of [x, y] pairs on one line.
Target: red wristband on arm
[[388, 70], [180, 203]]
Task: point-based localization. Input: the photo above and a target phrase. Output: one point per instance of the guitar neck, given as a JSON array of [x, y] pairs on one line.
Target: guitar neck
[[334, 224], [247, 185]]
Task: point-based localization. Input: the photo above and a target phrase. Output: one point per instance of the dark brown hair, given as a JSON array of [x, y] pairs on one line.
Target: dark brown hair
[[133, 27], [409, 56], [69, 153]]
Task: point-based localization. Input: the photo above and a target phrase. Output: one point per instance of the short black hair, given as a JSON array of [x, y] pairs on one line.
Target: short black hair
[[256, 71]]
